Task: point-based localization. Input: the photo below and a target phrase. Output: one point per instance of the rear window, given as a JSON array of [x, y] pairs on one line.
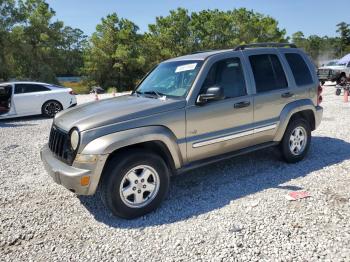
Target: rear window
[[299, 69], [268, 73]]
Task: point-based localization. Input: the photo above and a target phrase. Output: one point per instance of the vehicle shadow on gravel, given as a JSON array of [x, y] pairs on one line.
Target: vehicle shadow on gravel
[[20, 121], [212, 187]]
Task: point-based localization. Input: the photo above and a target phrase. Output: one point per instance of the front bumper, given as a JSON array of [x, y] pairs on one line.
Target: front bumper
[[328, 76], [70, 176], [318, 116]]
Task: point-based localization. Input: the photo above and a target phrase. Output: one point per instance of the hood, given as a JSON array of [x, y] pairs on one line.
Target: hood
[[335, 67], [114, 110]]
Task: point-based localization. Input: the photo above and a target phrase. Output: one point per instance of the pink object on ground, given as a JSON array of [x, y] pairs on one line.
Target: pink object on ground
[[346, 96], [292, 196]]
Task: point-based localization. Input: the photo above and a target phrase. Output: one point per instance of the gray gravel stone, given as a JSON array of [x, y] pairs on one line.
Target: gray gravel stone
[[231, 211]]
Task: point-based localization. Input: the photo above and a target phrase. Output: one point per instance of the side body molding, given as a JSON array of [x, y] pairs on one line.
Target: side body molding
[[109, 143], [288, 111]]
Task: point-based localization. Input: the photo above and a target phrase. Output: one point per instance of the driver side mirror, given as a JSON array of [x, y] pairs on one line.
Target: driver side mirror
[[212, 94]]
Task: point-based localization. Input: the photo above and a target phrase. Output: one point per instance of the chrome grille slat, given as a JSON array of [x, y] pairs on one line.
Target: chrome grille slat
[[58, 142]]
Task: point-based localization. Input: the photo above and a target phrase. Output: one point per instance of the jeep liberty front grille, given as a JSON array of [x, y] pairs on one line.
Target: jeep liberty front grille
[[59, 145]]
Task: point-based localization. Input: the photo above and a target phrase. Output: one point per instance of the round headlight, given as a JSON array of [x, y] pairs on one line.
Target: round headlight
[[74, 139]]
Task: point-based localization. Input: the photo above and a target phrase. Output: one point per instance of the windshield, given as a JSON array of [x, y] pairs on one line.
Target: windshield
[[172, 79], [331, 63]]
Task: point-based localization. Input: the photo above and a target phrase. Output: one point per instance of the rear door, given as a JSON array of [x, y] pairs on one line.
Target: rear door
[[273, 90], [29, 98], [299, 69]]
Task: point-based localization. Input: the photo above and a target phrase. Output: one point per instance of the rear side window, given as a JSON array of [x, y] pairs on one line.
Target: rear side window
[[29, 88], [268, 73], [299, 69]]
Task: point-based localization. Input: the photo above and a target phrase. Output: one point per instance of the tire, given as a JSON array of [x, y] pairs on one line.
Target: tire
[[338, 92], [51, 108], [341, 80], [296, 126], [127, 173]]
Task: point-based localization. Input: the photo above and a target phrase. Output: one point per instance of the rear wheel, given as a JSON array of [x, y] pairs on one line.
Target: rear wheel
[[134, 183], [51, 108], [296, 140], [341, 80]]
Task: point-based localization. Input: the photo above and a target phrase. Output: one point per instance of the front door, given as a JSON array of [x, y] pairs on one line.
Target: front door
[[222, 126]]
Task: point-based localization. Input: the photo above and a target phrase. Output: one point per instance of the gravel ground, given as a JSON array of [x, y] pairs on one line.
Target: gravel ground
[[232, 211]]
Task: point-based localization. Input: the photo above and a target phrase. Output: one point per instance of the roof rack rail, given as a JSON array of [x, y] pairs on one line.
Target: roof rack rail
[[242, 47], [202, 51]]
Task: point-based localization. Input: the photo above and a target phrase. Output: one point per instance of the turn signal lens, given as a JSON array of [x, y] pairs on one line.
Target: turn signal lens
[[319, 97], [319, 90], [85, 181], [85, 158]]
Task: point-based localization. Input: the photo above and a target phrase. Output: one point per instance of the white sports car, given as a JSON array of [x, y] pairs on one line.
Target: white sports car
[[19, 99]]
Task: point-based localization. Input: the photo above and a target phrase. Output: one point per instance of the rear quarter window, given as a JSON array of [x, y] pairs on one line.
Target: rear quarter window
[[299, 69]]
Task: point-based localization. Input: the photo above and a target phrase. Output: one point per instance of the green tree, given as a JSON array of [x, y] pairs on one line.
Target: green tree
[[181, 33], [38, 39], [170, 36], [113, 57], [70, 51], [254, 27], [204, 26], [344, 30], [32, 46], [8, 18]]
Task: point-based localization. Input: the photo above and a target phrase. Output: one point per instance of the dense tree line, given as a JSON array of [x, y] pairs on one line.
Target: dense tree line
[[118, 55], [32, 46], [35, 46], [325, 48]]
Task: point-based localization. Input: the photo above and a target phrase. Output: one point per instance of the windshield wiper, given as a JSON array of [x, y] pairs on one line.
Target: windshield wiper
[[138, 92], [154, 92]]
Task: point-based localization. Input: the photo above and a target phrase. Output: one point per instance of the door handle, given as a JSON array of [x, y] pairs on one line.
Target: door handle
[[241, 104], [286, 95]]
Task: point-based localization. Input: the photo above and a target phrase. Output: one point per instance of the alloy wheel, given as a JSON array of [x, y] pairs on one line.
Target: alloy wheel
[[139, 186], [298, 141], [52, 108]]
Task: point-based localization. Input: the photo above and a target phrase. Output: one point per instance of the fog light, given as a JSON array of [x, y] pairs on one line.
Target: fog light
[[85, 158], [85, 181]]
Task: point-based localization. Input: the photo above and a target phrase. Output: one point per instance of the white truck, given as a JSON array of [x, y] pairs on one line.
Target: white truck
[[339, 72]]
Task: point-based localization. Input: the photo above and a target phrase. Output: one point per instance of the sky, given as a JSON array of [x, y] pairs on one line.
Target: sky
[[312, 17]]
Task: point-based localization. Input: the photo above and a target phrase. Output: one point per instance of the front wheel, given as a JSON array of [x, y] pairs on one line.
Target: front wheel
[[134, 183], [51, 108], [296, 141]]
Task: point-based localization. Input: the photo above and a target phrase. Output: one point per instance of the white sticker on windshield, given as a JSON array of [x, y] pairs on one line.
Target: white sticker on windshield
[[185, 67]]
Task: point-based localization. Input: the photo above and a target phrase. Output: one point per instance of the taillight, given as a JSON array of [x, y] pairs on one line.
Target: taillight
[[72, 93], [319, 96]]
